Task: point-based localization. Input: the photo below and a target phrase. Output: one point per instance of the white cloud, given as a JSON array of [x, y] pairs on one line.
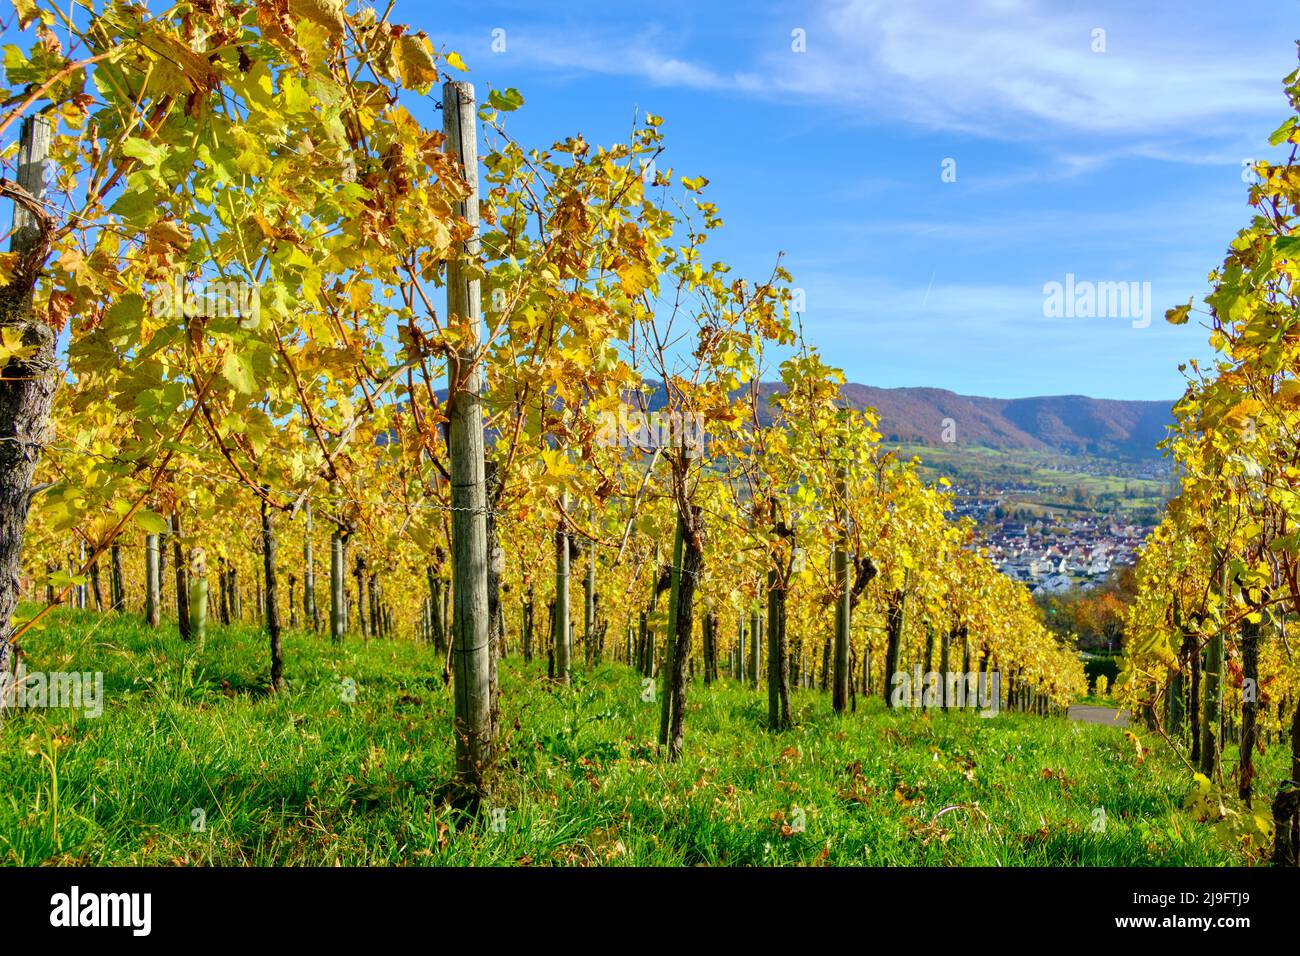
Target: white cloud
[[1009, 69], [623, 52]]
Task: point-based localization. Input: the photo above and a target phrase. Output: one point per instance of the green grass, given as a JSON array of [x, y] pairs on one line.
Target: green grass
[[1043, 471], [308, 778]]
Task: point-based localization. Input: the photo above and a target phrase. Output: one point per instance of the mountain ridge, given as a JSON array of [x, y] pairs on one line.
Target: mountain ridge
[[1071, 424]]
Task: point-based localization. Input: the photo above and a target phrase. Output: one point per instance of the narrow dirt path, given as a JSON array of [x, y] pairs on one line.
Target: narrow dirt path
[[1092, 714]]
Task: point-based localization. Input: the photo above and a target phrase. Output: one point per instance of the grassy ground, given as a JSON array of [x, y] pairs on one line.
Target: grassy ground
[[310, 778]]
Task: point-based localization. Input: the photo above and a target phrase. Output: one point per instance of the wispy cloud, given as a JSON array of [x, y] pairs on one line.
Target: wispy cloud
[[648, 53], [1122, 165], [1007, 69]]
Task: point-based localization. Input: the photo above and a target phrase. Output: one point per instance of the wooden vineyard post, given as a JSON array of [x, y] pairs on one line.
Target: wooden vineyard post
[[337, 595], [843, 609], [589, 602], [270, 596], [182, 577], [666, 702], [152, 580], [1211, 685], [469, 557], [309, 615], [198, 596], [562, 627]]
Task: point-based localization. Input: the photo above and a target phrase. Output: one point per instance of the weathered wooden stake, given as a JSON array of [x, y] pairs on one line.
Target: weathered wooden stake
[[843, 607], [198, 598], [337, 596], [152, 581], [272, 610], [562, 626], [469, 558], [310, 615]]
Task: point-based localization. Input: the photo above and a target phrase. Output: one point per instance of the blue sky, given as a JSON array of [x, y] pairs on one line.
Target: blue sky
[[1118, 165]]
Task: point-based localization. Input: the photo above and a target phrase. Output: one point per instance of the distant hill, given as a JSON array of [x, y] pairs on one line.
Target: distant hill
[[1071, 424]]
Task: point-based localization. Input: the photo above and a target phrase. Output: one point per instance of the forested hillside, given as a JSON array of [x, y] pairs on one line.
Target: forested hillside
[[1070, 424]]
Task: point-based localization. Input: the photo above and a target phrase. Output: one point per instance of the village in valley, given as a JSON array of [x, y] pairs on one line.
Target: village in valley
[[1052, 555], [1057, 522], [1053, 539]]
